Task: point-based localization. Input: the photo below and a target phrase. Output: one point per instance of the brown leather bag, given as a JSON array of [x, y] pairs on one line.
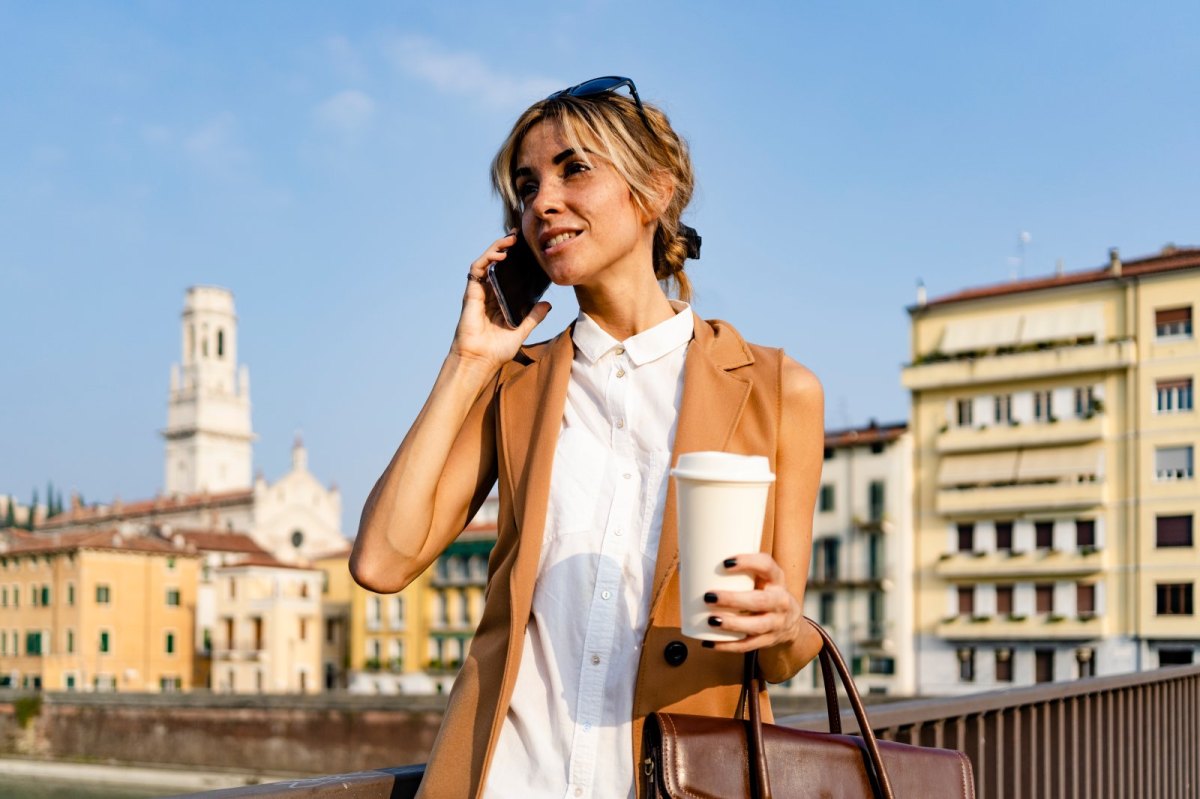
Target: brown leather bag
[[704, 757]]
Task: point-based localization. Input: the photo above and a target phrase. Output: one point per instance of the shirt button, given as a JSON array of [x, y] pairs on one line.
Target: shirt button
[[579, 791], [627, 475], [620, 350], [595, 660], [617, 532], [587, 727], [606, 594], [620, 373], [620, 424]]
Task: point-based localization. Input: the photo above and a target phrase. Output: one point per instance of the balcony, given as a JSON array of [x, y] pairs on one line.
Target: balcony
[[242, 650], [1014, 498], [1071, 430], [1038, 563], [1021, 628], [1026, 365], [1123, 736]]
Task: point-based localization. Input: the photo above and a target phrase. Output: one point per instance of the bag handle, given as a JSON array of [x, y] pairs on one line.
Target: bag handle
[[831, 661]]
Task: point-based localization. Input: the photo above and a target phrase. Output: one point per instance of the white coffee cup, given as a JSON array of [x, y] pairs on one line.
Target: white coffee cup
[[721, 499]]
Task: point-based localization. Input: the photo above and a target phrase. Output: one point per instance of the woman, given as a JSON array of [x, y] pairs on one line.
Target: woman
[[580, 636]]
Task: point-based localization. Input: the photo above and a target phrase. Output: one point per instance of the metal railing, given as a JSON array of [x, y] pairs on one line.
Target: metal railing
[[1131, 736]]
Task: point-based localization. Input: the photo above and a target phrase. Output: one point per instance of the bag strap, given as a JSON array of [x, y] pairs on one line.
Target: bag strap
[[831, 661]]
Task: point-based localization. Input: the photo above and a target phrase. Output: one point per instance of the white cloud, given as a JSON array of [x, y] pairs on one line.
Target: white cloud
[[214, 144], [347, 112], [465, 73], [346, 60]]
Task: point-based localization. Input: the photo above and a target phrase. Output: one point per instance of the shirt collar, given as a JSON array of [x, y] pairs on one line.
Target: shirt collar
[[649, 345]]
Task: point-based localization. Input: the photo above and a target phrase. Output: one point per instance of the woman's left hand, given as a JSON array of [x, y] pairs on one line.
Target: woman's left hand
[[769, 615]]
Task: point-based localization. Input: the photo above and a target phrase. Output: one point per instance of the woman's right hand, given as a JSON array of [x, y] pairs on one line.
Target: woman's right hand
[[482, 335]]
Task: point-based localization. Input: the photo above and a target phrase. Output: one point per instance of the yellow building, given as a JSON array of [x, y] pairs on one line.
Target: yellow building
[[96, 611], [1054, 442], [337, 591]]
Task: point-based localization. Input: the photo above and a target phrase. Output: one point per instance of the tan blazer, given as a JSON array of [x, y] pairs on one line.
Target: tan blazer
[[732, 401]]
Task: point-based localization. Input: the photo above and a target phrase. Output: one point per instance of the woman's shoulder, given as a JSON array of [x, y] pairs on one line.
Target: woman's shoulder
[[798, 383]]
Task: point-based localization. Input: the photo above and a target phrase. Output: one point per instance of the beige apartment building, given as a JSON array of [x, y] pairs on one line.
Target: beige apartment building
[[268, 637], [96, 611], [1054, 431]]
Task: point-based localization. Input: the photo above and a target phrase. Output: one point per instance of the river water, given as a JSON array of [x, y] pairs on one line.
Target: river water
[[31, 788]]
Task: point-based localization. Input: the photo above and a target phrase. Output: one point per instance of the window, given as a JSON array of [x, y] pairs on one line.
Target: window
[[1174, 599], [1044, 597], [233, 588], [966, 601], [45, 596], [1043, 410], [827, 605], [4, 597], [1173, 395], [1173, 463], [1173, 531], [70, 642], [1175, 657], [964, 412], [876, 447], [1085, 599], [1004, 667], [1085, 400], [875, 613], [1043, 535], [103, 594], [33, 643], [1004, 600], [1169, 322], [1004, 536], [1003, 408], [303, 629], [966, 664], [70, 593], [1043, 663], [464, 608], [170, 645], [826, 498], [105, 642], [33, 595], [827, 560], [331, 631], [881, 665], [173, 597], [875, 556], [875, 498], [1085, 658], [966, 537], [1085, 533]]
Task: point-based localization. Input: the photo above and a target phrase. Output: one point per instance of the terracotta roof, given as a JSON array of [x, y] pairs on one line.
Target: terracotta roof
[[265, 559], [344, 552], [1171, 259], [149, 507], [112, 539], [871, 434], [216, 541]]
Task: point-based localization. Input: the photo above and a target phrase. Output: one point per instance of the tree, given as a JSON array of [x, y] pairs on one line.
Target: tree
[[49, 498], [10, 518], [30, 522]]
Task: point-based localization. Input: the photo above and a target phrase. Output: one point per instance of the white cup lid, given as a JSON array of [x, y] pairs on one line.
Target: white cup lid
[[724, 466]]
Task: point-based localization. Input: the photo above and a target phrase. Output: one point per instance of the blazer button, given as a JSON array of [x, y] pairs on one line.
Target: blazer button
[[675, 653]]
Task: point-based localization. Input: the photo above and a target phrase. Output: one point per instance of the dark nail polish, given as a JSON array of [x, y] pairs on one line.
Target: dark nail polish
[[710, 597], [708, 644], [730, 563], [714, 621]]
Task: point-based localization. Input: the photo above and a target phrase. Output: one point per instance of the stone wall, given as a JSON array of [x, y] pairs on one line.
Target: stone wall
[[302, 735]]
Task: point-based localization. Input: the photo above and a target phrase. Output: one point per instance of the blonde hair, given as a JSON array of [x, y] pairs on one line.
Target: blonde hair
[[609, 123]]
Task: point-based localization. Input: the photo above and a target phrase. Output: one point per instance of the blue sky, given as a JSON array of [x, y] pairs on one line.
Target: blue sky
[[328, 163]]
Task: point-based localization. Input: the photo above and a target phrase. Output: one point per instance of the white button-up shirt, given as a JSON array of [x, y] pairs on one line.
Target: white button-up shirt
[[568, 729]]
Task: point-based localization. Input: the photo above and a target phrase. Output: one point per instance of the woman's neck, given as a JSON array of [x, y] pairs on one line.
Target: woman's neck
[[624, 306]]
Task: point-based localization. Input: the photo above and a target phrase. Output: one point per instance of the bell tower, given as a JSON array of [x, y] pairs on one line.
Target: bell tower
[[208, 434]]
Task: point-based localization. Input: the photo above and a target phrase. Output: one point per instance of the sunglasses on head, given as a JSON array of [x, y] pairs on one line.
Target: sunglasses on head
[[611, 83]]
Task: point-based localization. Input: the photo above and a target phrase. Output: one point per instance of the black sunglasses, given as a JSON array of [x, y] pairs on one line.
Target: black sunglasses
[[610, 83]]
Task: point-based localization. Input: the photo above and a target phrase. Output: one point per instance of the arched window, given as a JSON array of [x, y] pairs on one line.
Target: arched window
[[220, 343], [297, 538]]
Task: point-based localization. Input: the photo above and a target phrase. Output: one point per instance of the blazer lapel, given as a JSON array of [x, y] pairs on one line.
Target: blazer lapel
[[712, 404], [531, 411]]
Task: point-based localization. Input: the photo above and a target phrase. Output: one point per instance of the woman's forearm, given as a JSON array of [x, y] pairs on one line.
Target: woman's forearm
[[403, 522]]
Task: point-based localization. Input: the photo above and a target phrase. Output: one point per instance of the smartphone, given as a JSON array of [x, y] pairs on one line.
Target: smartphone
[[517, 282]]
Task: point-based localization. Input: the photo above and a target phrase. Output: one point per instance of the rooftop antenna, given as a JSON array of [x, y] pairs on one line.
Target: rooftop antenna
[[1022, 242]]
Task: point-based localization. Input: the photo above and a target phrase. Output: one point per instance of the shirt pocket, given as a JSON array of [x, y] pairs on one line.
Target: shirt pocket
[[580, 494]]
